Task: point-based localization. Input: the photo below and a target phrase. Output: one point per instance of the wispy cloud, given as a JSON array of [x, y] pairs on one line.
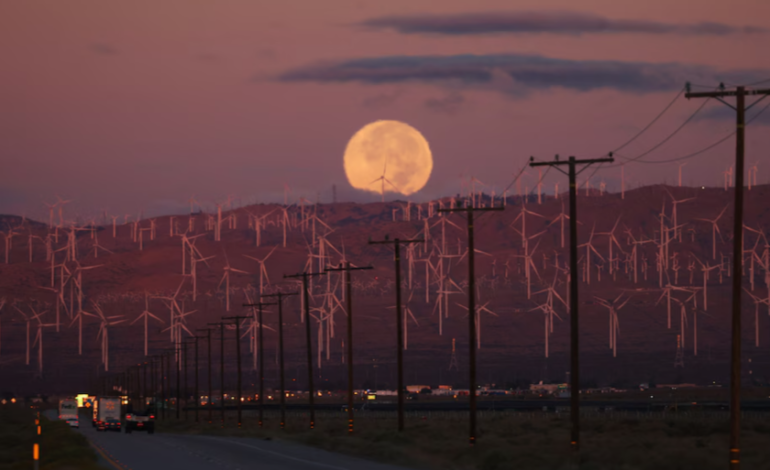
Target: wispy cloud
[[517, 74], [103, 49], [720, 112], [382, 100], [551, 22], [449, 104]]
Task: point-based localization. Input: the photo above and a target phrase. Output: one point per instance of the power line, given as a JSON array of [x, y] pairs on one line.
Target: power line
[[669, 137], [679, 93], [698, 152], [759, 82]]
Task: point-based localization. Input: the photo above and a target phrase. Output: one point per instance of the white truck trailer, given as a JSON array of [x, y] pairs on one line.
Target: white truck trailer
[[68, 411]]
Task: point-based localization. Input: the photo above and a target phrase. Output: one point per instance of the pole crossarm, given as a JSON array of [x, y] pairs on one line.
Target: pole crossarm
[[396, 241], [342, 269], [726, 93], [471, 209], [256, 305], [577, 162], [280, 295]]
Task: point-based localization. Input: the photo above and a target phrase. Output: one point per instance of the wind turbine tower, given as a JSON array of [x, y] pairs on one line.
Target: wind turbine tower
[[453, 359], [679, 360]]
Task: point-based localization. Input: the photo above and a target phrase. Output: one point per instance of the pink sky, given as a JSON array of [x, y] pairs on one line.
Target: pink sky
[[136, 106]]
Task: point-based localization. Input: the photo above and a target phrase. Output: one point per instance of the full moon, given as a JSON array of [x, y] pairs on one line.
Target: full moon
[[388, 156]]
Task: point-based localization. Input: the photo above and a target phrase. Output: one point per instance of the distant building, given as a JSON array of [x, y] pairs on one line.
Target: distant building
[[547, 388], [675, 386]]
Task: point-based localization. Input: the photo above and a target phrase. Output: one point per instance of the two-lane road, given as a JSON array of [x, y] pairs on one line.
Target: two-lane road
[[141, 451]]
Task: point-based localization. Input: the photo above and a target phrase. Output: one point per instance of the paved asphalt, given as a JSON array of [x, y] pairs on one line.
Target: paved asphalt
[[141, 451]]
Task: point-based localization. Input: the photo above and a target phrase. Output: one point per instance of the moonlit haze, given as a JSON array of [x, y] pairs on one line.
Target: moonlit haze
[[134, 107]]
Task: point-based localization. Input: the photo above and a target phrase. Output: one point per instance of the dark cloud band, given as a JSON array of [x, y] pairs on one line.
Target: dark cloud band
[[550, 22], [516, 74]]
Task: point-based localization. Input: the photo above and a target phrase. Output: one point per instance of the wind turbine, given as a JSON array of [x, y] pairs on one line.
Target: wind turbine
[[104, 325], [757, 302], [706, 270], [561, 218], [479, 308], [262, 269], [675, 202], [589, 247], [226, 279], [146, 314], [549, 311], [613, 307], [39, 340], [715, 230], [612, 241], [384, 180]]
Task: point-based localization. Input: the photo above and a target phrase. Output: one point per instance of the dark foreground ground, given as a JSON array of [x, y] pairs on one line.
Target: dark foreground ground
[[59, 446], [521, 440]]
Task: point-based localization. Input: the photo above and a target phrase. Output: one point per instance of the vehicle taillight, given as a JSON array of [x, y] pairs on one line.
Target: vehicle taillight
[[152, 416], [118, 424]]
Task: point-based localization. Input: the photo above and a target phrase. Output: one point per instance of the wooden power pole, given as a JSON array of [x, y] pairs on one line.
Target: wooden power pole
[[573, 289], [221, 326], [236, 319], [346, 268], [280, 296], [740, 94], [472, 313], [260, 306], [399, 326], [306, 292], [209, 400]]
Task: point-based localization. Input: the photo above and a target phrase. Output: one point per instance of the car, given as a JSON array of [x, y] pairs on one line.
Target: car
[[108, 425], [73, 422], [140, 422]]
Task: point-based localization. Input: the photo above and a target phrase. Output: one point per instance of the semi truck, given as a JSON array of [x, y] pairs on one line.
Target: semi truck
[[107, 412], [68, 411]]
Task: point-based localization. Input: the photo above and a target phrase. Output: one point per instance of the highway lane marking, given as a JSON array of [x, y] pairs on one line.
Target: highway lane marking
[[107, 458], [309, 462]]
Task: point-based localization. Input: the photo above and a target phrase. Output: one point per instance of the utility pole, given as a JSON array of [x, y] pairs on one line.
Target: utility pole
[[573, 296], [236, 319], [259, 306], [221, 326], [155, 381], [349, 304], [306, 292], [740, 94], [472, 312], [178, 373], [144, 389], [163, 381], [186, 387], [399, 327], [197, 395], [280, 296], [209, 400]]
